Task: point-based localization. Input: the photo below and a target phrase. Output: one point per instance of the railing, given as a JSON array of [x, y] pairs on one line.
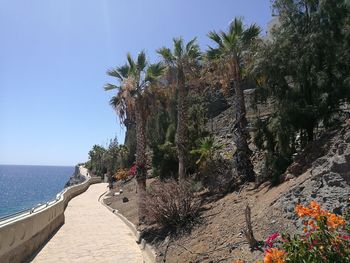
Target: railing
[[39, 207], [16, 215], [27, 230]]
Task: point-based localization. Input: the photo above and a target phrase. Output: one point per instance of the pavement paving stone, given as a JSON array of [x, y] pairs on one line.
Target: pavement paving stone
[[91, 233]]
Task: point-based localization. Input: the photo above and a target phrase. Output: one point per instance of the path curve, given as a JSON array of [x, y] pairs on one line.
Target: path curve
[[91, 233]]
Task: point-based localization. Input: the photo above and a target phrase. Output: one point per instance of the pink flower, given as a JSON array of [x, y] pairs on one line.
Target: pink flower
[[271, 238], [345, 238], [313, 244], [133, 169]]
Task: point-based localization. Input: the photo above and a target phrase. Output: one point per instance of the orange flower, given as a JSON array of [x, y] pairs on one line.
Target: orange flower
[[334, 221], [238, 261], [274, 255], [301, 211], [312, 224], [316, 212]]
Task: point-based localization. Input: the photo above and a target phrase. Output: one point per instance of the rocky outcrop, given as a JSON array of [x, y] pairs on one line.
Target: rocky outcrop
[[76, 178], [223, 112], [329, 180]]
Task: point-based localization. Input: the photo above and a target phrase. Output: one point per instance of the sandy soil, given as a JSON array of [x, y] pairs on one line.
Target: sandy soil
[[218, 236]]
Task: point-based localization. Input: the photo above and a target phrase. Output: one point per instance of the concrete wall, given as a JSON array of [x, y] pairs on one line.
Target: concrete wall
[[23, 235]]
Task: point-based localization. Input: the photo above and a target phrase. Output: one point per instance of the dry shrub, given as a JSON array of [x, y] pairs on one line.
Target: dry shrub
[[172, 205], [121, 174]]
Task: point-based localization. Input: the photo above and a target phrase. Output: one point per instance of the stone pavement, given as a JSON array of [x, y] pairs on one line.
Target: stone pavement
[[91, 233]]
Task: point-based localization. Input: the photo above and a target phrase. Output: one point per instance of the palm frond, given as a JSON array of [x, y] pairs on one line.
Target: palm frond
[[141, 61], [178, 47], [132, 64], [236, 27], [250, 34], [114, 73], [228, 41], [120, 72], [154, 71], [213, 53], [166, 55], [119, 105], [193, 49], [215, 37], [124, 71], [115, 101], [109, 86], [190, 44]]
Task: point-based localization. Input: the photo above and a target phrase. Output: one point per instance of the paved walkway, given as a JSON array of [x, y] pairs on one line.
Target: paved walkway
[[91, 233]]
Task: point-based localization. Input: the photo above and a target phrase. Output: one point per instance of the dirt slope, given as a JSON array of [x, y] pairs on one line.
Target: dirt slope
[[324, 177]]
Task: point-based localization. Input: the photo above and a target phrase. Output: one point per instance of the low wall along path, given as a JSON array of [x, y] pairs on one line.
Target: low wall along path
[[90, 233]]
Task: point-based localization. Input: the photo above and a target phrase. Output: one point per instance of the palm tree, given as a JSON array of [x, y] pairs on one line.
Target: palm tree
[[131, 101], [232, 48], [208, 146], [183, 60]]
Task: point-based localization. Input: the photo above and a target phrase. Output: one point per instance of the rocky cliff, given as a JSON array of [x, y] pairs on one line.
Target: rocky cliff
[[76, 178]]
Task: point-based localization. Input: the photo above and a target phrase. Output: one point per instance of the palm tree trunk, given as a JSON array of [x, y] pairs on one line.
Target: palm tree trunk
[[141, 162], [241, 159], [182, 123]]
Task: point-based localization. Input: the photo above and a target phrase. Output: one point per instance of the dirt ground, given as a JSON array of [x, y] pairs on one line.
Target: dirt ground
[[128, 209], [218, 236]]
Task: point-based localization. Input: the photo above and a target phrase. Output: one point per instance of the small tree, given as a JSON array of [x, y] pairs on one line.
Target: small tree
[[206, 151], [183, 59], [131, 100], [231, 50]]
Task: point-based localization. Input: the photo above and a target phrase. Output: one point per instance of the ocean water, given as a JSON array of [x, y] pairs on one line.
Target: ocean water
[[24, 186]]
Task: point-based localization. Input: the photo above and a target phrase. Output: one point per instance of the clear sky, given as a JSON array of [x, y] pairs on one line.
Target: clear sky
[[53, 59]]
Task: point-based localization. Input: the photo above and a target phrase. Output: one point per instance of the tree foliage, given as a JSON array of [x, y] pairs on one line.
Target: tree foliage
[[305, 67]]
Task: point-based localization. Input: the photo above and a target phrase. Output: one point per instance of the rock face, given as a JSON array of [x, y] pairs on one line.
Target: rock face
[[222, 111], [329, 183], [76, 178]]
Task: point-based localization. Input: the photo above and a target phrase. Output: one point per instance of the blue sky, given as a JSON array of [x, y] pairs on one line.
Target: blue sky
[[53, 59]]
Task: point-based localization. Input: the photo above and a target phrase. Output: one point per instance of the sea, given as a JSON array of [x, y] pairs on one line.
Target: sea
[[25, 186]]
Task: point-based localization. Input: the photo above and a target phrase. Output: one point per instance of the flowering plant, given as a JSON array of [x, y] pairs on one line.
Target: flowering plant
[[133, 170], [121, 174], [326, 239], [269, 241], [136, 169]]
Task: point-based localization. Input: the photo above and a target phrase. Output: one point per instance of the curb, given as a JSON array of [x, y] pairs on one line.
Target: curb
[[148, 252]]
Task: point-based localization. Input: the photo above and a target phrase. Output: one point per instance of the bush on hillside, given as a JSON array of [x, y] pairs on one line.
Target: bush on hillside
[[121, 174], [172, 206]]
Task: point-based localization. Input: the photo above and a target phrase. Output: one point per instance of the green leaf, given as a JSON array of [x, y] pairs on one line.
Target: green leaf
[[108, 87], [236, 27], [250, 34], [141, 61], [215, 37], [166, 55], [131, 62], [178, 47], [154, 71]]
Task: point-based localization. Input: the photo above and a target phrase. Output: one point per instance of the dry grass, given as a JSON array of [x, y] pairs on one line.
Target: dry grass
[[173, 206]]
